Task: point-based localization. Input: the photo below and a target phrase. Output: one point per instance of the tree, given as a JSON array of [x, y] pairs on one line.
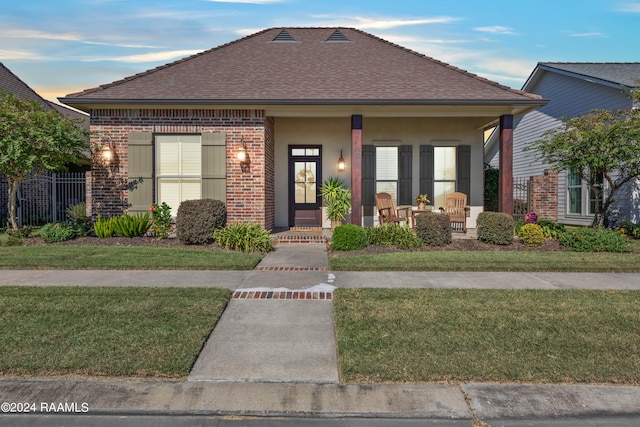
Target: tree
[[602, 143], [34, 141]]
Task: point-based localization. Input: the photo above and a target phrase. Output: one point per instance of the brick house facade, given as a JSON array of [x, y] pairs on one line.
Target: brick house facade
[[248, 195], [273, 95]]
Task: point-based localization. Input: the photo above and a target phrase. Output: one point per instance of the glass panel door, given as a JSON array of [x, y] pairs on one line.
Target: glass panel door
[[305, 170]]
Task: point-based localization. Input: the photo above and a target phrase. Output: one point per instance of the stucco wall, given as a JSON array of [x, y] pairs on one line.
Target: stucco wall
[[335, 133]]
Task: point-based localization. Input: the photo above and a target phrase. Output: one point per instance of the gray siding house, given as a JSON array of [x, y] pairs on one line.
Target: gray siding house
[[573, 89]]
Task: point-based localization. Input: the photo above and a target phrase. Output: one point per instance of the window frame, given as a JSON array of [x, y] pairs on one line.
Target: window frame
[[454, 181], [180, 176], [395, 194], [587, 197]]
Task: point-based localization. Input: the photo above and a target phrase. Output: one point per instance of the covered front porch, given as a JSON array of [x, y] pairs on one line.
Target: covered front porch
[[402, 152]]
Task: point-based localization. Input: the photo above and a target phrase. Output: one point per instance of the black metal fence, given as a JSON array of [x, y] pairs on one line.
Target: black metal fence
[[45, 198], [521, 197]]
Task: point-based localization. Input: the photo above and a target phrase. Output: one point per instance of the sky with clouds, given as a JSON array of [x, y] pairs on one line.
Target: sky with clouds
[[62, 46]]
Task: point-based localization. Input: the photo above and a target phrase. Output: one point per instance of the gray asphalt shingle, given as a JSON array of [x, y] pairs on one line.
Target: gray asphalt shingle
[[310, 68]]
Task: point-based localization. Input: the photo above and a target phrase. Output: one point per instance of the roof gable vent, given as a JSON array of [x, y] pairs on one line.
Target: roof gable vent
[[337, 36], [283, 36]]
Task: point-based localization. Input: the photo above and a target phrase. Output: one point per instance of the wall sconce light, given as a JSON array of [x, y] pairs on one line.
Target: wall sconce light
[[243, 157], [341, 164], [107, 155]]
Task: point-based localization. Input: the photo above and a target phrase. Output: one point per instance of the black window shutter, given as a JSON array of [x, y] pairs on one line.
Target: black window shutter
[[463, 167], [426, 170], [404, 175], [368, 178]]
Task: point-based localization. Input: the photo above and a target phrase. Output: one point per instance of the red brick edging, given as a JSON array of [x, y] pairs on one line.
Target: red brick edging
[[288, 295], [292, 268]]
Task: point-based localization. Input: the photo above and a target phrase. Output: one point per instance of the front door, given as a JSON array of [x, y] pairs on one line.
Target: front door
[[305, 177]]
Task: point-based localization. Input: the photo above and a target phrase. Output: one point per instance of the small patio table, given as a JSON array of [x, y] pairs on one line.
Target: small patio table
[[416, 212]]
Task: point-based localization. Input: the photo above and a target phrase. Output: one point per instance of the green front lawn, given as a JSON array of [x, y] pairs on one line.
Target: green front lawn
[[140, 332], [487, 261], [540, 336], [70, 257]]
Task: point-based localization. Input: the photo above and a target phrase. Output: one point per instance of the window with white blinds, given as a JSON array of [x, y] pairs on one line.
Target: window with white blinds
[[387, 171], [178, 169]]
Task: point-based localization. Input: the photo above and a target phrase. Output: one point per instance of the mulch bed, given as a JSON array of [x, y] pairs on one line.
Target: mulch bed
[[466, 245], [122, 241], [455, 245]]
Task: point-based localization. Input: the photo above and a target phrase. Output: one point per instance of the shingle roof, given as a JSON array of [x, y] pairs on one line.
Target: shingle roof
[[309, 65], [13, 84], [621, 73]]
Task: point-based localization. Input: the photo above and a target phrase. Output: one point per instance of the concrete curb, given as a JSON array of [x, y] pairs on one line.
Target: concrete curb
[[501, 401], [258, 399], [429, 401]]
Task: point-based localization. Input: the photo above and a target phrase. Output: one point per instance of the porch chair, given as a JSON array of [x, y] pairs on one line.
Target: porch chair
[[455, 205], [387, 212]]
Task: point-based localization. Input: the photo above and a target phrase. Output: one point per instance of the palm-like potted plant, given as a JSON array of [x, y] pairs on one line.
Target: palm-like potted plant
[[337, 199], [422, 200]]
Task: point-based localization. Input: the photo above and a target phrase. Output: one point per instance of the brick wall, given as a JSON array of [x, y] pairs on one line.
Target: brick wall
[[249, 193], [543, 195]]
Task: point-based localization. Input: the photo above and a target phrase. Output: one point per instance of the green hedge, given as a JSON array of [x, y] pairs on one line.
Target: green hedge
[[495, 228], [349, 237], [197, 220], [434, 229], [532, 235]]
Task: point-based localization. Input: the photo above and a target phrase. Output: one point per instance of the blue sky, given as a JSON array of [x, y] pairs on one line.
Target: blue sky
[[63, 46]]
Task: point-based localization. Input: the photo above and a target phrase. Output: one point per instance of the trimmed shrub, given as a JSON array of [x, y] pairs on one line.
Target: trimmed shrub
[[393, 235], [244, 237], [595, 240], [103, 227], [131, 225], [61, 231], [197, 220], [532, 235], [495, 228], [433, 229], [349, 237]]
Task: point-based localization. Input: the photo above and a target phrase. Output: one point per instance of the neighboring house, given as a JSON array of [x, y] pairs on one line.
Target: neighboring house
[[11, 83], [573, 89], [295, 100], [39, 194]]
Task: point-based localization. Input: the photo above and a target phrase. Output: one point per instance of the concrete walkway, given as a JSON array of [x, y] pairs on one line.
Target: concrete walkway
[[273, 351], [269, 340], [281, 340]]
